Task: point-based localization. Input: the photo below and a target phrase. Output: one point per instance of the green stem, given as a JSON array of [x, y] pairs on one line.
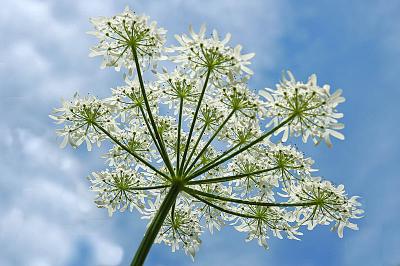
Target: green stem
[[131, 152], [151, 132], [194, 119], [209, 142], [195, 145], [230, 178], [178, 148], [220, 208], [149, 188], [154, 228], [153, 124], [248, 202], [251, 144], [216, 158]]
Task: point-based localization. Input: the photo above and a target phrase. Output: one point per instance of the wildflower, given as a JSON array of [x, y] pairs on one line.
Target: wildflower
[[312, 108], [187, 150], [137, 140], [80, 115], [182, 228], [290, 165], [120, 189], [178, 86], [332, 205], [201, 54], [126, 37], [130, 101], [262, 221]]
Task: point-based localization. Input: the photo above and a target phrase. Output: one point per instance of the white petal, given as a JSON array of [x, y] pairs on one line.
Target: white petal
[[202, 30], [64, 142], [88, 144], [249, 56], [312, 80]]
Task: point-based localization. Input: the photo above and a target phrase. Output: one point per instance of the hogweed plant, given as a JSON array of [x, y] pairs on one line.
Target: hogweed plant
[[188, 150]]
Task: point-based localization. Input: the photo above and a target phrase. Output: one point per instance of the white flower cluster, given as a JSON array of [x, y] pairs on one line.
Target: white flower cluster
[[333, 205], [181, 228], [118, 34], [188, 150], [117, 189], [313, 109], [265, 220], [79, 116], [199, 53]]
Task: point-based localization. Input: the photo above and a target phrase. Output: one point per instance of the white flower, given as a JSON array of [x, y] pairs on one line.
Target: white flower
[[80, 116], [192, 139], [313, 109], [243, 100], [137, 140], [290, 165], [248, 164], [125, 34], [197, 52], [264, 221], [332, 204], [242, 132], [130, 103], [181, 229], [176, 86], [213, 217], [117, 189]]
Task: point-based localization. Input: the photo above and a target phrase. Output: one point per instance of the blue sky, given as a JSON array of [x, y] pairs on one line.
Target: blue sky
[[47, 214]]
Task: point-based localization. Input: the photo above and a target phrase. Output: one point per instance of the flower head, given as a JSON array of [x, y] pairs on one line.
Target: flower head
[[199, 53], [181, 229], [312, 108], [80, 115], [177, 86], [116, 190], [332, 205], [127, 36], [264, 221]]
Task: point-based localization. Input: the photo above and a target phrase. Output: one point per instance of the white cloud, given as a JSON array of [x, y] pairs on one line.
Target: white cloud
[[46, 207], [105, 252], [39, 239], [43, 153], [45, 53], [47, 217]]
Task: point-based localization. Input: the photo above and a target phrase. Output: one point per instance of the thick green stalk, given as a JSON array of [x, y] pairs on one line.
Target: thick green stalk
[[194, 119], [154, 228]]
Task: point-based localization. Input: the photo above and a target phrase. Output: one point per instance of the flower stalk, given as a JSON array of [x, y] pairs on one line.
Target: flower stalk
[[146, 102], [195, 115], [155, 225]]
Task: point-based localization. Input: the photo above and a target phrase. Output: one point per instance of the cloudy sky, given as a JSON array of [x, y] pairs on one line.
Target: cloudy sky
[[47, 214]]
